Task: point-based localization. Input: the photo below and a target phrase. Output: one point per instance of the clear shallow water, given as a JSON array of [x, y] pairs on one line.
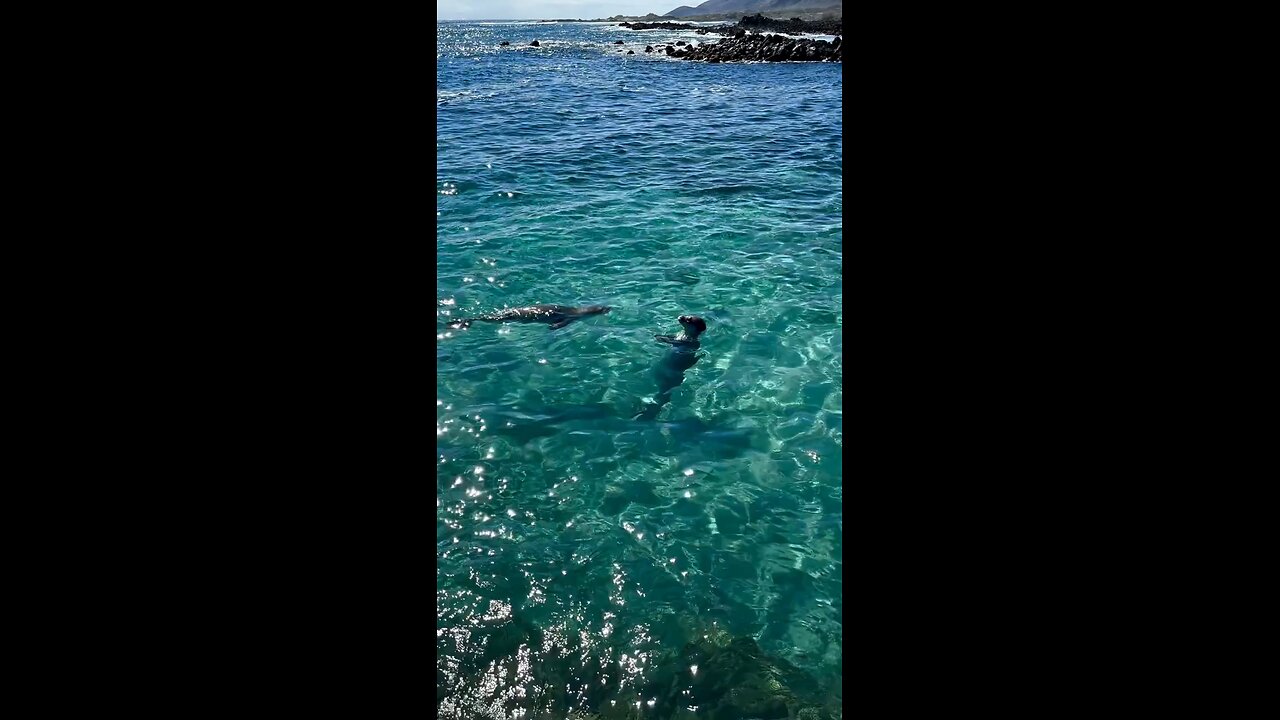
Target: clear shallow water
[[580, 552]]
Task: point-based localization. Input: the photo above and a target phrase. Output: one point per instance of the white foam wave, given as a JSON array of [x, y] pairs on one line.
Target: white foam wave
[[828, 38]]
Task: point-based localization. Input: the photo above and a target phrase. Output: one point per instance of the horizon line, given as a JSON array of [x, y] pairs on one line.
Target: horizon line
[[518, 19]]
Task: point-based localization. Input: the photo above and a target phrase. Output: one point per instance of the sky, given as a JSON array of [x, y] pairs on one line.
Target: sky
[[551, 9]]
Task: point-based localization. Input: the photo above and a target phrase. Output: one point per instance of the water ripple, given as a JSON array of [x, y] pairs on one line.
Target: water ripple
[[580, 550]]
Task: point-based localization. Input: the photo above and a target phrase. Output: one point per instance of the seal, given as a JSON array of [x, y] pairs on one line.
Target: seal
[[557, 316], [691, 327], [683, 355]]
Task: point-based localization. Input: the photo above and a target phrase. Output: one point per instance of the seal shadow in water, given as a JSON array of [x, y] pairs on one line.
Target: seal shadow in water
[[691, 438]]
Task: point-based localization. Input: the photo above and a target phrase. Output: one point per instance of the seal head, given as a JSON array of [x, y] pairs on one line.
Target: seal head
[[692, 324]]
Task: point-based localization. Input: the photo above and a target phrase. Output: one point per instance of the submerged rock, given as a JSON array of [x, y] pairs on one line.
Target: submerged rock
[[504, 42], [534, 44], [727, 677]]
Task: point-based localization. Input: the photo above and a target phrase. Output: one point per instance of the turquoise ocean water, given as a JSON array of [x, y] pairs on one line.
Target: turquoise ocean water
[[588, 561]]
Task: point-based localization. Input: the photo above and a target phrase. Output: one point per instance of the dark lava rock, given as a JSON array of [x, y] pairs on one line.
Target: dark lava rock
[[794, 25], [504, 42], [617, 42], [661, 25], [648, 48], [681, 42], [766, 48], [534, 44], [631, 52], [671, 50]]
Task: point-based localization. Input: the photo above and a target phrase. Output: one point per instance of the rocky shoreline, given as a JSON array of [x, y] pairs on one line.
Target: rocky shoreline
[[748, 41], [761, 48], [752, 23], [657, 25], [794, 26]]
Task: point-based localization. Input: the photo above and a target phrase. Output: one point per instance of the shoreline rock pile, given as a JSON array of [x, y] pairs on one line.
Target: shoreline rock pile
[[762, 48], [662, 25], [746, 41], [760, 23]]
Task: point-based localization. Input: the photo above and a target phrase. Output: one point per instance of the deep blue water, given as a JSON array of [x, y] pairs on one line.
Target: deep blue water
[[580, 550]]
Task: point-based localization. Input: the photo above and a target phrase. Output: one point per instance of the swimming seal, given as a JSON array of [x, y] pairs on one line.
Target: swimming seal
[[557, 316], [683, 355]]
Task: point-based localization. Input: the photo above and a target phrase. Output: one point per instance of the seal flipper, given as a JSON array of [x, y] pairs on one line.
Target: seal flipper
[[562, 323], [649, 409]]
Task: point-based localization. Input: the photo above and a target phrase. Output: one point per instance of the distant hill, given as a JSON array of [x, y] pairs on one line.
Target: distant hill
[[711, 7]]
